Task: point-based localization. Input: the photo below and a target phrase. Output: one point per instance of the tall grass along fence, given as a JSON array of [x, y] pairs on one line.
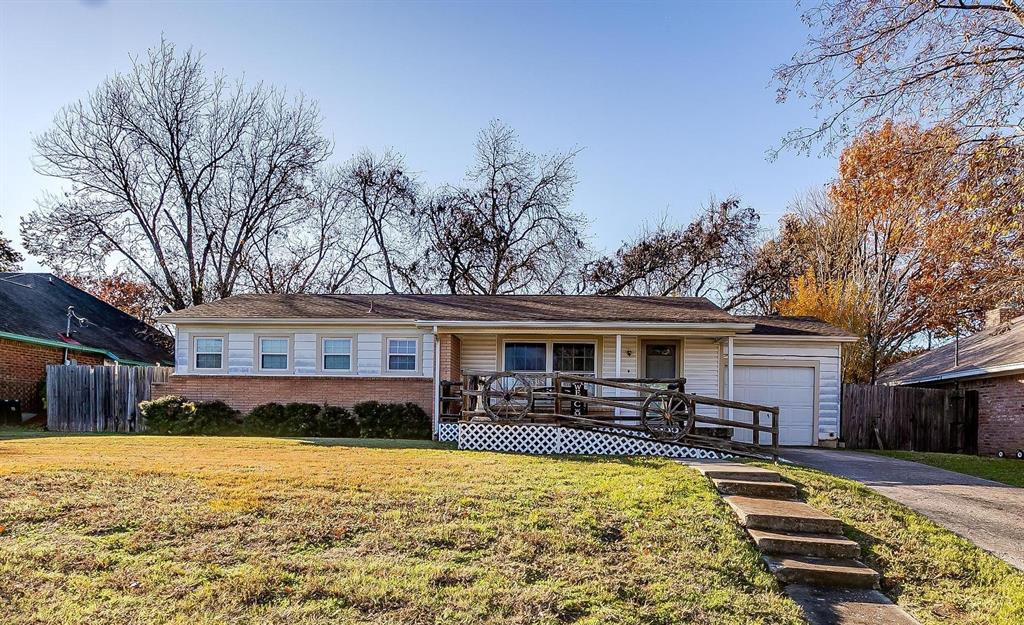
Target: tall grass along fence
[[910, 418], [82, 398]]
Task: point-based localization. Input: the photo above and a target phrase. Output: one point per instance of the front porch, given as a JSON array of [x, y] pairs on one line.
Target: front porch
[[697, 362]]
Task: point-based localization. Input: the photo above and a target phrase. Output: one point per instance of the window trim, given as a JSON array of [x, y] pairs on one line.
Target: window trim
[[194, 353], [417, 363], [593, 344], [321, 353], [289, 354], [547, 354], [549, 350]]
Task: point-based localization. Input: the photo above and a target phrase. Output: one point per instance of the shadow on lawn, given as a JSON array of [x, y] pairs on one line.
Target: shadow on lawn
[[376, 443]]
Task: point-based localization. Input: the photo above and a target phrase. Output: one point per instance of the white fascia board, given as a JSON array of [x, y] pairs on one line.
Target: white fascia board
[[490, 326], [973, 372], [799, 339], [278, 321]]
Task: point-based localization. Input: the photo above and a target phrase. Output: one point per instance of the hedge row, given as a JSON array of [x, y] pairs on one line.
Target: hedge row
[[371, 419]]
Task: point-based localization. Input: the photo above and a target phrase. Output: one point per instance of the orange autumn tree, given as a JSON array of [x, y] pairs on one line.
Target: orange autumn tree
[[921, 250], [840, 302], [123, 292]]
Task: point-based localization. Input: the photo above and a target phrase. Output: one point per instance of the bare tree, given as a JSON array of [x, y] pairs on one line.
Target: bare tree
[[716, 256], [959, 63], [176, 175], [508, 229]]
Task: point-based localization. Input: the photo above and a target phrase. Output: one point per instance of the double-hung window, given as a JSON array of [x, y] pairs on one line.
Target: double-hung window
[[273, 353], [574, 357], [209, 352], [526, 356], [337, 354], [401, 354]]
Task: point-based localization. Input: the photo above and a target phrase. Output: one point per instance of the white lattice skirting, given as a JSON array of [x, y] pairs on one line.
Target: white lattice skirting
[[448, 432], [552, 439]]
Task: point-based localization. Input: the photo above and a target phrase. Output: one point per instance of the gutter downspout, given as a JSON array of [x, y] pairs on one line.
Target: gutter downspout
[[437, 385]]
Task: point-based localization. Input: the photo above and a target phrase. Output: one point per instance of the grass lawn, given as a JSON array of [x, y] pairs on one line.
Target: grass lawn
[[933, 573], [137, 529], [1006, 470]]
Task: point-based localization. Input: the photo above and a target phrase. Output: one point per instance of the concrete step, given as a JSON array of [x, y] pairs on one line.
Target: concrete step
[[734, 471], [831, 572], [801, 544], [781, 515], [842, 606], [768, 490]]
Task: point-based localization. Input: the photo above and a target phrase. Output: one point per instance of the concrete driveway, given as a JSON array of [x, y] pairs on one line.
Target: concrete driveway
[[989, 514]]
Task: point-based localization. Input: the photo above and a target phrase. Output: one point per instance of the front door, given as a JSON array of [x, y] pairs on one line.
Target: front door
[[660, 360]]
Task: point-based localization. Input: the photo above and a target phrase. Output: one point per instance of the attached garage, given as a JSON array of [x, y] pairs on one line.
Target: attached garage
[[791, 388]]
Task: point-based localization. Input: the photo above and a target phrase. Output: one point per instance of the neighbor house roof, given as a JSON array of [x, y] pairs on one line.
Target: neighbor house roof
[[486, 309], [993, 351], [775, 325], [33, 308]]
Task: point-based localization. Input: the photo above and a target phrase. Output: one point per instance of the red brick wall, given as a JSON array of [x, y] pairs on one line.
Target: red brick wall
[[1000, 413], [23, 365], [246, 392], [450, 353]]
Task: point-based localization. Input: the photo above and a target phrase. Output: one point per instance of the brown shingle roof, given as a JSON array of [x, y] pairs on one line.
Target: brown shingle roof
[[776, 325], [582, 308], [1000, 349], [495, 308]]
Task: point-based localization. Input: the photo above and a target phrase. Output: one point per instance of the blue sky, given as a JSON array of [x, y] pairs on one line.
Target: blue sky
[[671, 103]]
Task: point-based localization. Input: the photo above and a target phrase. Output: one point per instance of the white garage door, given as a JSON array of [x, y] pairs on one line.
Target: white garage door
[[789, 388]]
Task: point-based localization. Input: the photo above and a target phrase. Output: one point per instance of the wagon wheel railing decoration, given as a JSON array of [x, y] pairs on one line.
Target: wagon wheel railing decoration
[[667, 415], [507, 396]]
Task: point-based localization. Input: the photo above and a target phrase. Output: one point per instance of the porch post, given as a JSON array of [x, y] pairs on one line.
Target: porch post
[[618, 366], [729, 376], [618, 356]]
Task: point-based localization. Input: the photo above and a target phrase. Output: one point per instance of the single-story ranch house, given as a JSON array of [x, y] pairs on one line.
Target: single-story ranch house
[[990, 362], [342, 349]]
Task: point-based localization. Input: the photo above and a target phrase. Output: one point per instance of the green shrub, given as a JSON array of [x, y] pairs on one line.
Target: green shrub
[[369, 419], [176, 415], [338, 422], [302, 419], [265, 420], [216, 417], [377, 420], [167, 415]]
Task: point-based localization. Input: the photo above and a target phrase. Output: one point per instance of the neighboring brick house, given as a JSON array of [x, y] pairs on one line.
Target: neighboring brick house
[[342, 349], [990, 362], [33, 328]]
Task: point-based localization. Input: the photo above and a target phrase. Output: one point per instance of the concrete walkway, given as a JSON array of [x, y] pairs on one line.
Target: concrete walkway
[[989, 514]]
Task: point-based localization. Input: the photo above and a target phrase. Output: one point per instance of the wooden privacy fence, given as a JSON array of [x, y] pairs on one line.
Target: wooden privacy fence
[[910, 418], [81, 398]]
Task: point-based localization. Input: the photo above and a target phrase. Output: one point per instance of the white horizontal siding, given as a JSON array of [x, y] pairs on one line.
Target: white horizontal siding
[[181, 351], [428, 355], [827, 357], [480, 352], [304, 349], [701, 358], [369, 353], [241, 352], [367, 348], [629, 362]]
